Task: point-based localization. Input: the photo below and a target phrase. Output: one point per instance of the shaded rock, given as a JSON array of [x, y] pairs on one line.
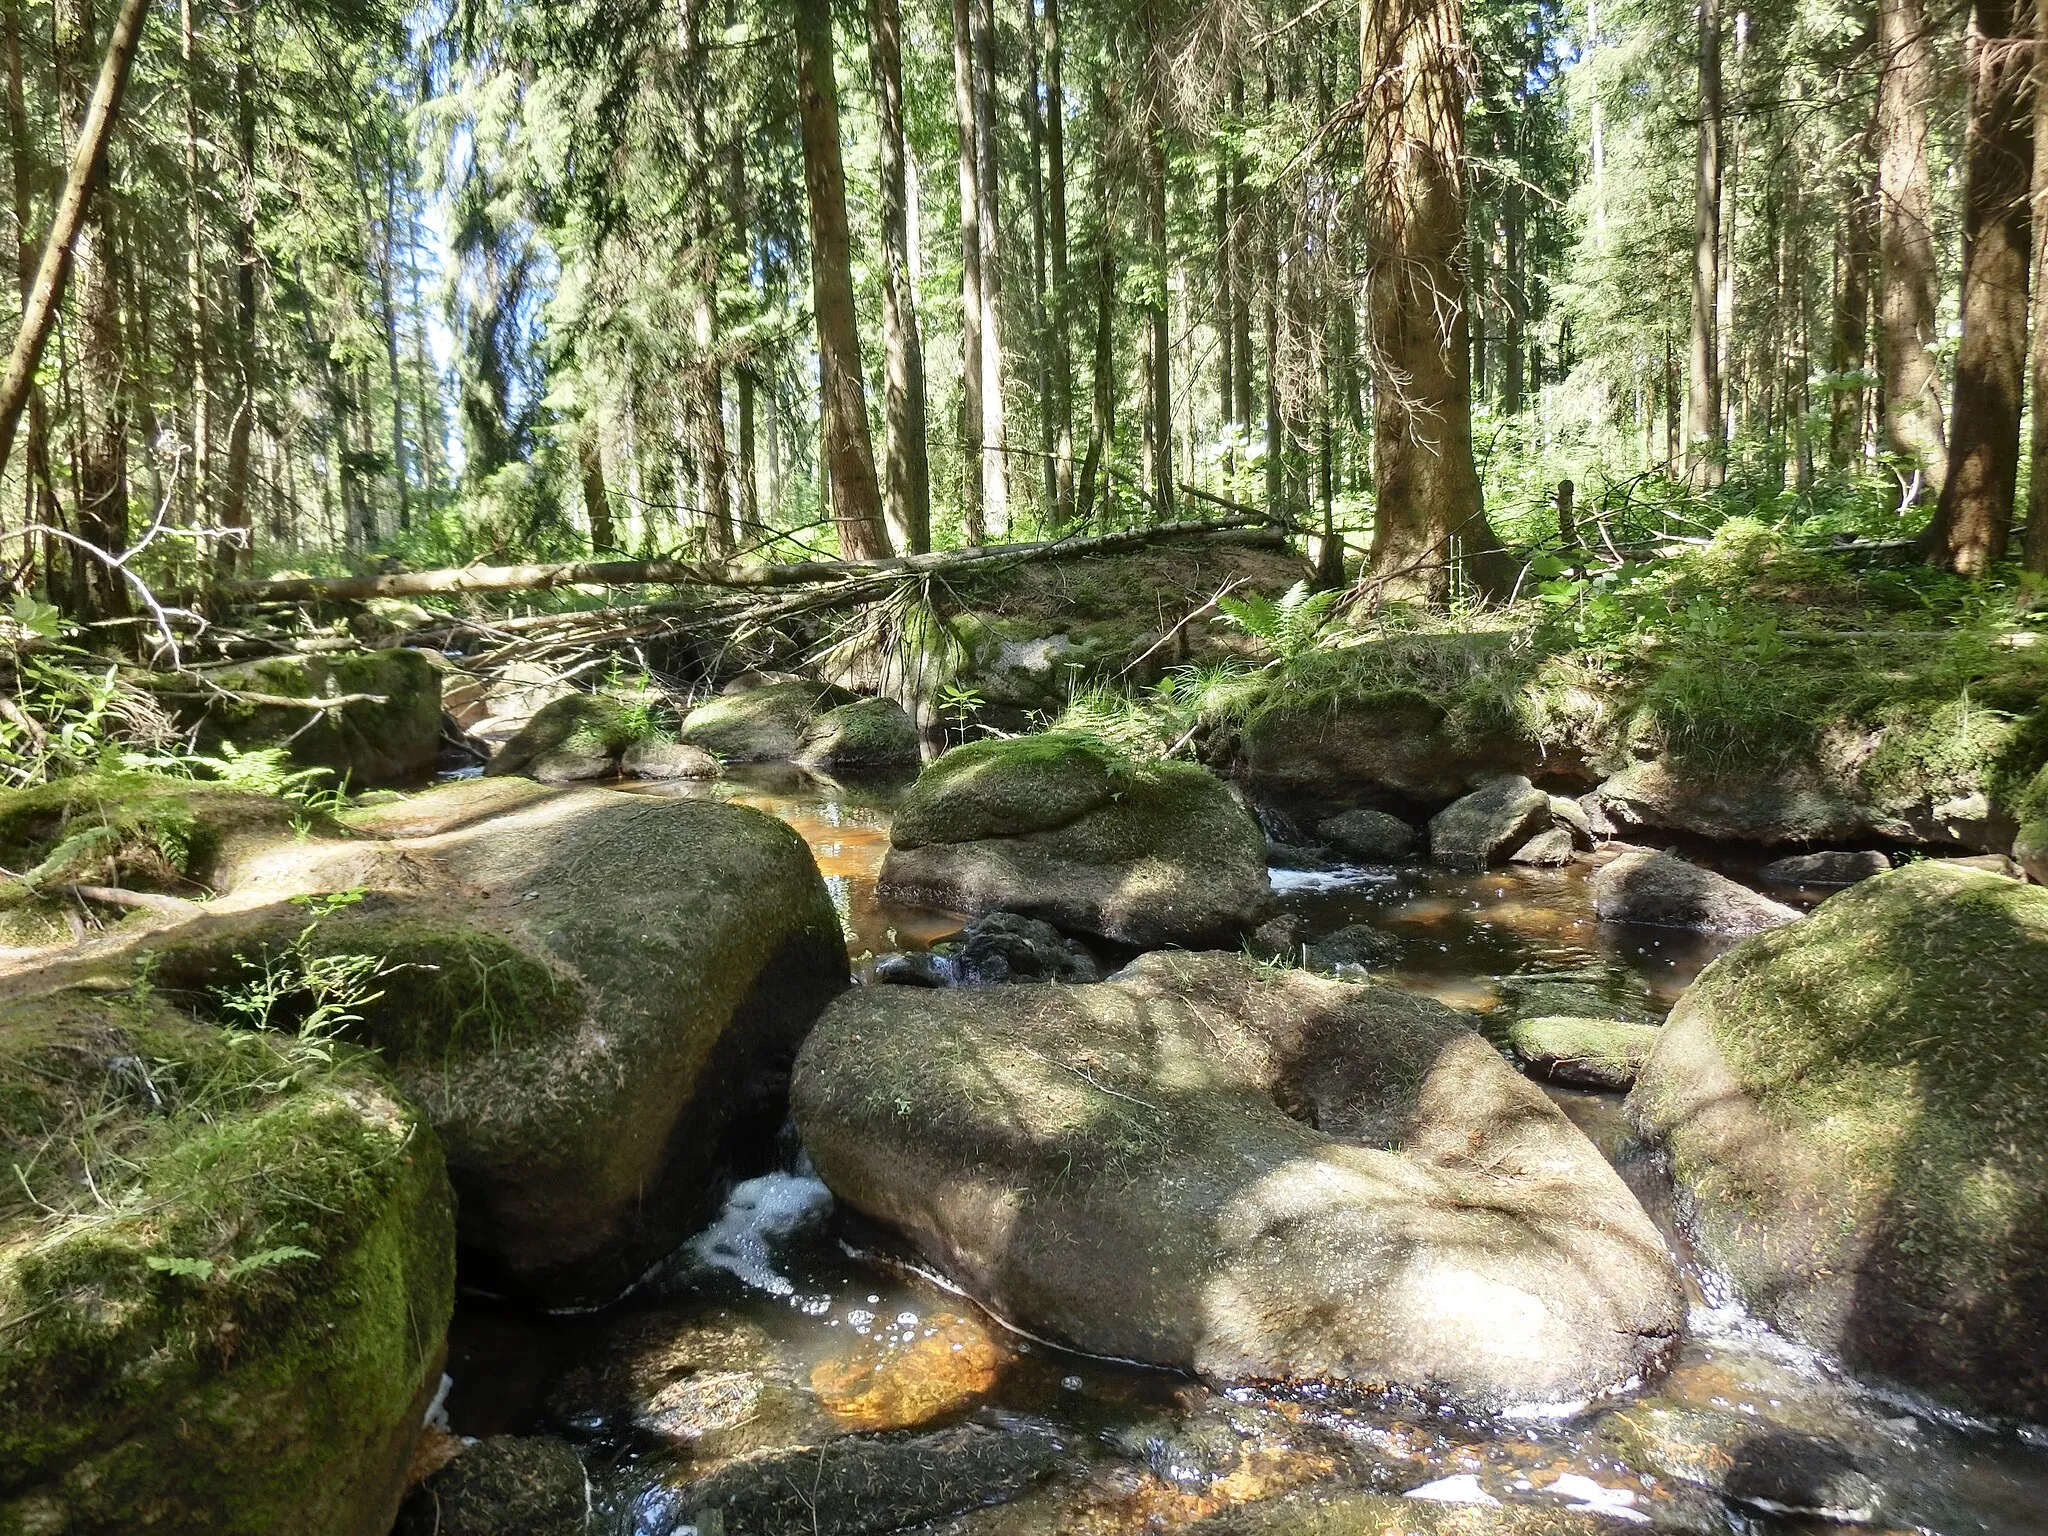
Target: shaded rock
[[1583, 1053], [667, 760], [918, 968], [1576, 820], [591, 994], [1393, 748], [1372, 837], [1279, 938], [1777, 1470], [868, 735], [1294, 856], [1004, 947], [238, 1318], [1548, 849], [1482, 828], [1327, 1513], [1991, 864], [1060, 827], [1249, 1174], [871, 1484], [2030, 851], [1598, 823], [1360, 945], [570, 736], [1667, 892], [747, 682], [764, 724], [572, 765], [1856, 1108], [1833, 867], [369, 744], [508, 1485]]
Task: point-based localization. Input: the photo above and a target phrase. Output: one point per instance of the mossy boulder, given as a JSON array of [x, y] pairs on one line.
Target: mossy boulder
[[2030, 844], [1037, 663], [1395, 749], [760, 725], [1340, 1513], [580, 728], [1063, 828], [1247, 1173], [592, 996], [371, 745], [508, 1485], [1480, 830], [226, 1270], [869, 736], [1371, 836], [1583, 1053], [1856, 1109]]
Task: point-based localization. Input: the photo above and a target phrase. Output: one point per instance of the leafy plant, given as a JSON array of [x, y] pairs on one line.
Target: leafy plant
[[310, 997], [1290, 625]]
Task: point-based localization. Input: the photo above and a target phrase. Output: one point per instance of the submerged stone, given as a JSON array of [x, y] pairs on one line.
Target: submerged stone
[[1768, 1467], [1856, 1108], [1667, 892], [1339, 1513], [1248, 1174], [1830, 867]]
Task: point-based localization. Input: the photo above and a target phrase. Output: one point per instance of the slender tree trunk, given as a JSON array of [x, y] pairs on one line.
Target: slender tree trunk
[[1974, 519], [995, 431], [1159, 352], [707, 236], [1909, 382], [909, 467], [1703, 445], [1060, 399], [748, 471], [973, 451], [1513, 380], [236, 557], [387, 287], [1034, 194], [198, 472], [1225, 300], [1095, 470], [1413, 54], [597, 502], [1848, 351], [2036, 550], [849, 453], [1240, 319], [39, 501], [1726, 362]]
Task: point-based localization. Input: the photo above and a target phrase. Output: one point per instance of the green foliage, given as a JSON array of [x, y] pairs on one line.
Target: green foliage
[[306, 993], [1290, 625]]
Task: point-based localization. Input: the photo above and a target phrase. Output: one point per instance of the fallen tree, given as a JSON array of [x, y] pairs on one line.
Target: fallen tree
[[697, 573]]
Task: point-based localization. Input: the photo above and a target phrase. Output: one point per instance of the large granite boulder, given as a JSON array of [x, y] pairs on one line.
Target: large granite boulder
[[1063, 828], [867, 736], [1856, 1109], [1373, 837], [764, 724], [1251, 1174], [591, 995], [1479, 830], [226, 1271], [389, 733], [1667, 892], [1831, 866]]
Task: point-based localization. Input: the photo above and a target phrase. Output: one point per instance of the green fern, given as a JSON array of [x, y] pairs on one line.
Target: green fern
[[1290, 626]]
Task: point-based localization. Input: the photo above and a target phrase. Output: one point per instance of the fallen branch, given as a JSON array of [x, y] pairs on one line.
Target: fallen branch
[[687, 573], [144, 901]]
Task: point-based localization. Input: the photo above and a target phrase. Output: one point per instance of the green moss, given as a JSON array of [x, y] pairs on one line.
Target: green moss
[[758, 724], [143, 830], [226, 1268], [1008, 786], [602, 723], [1613, 1046]]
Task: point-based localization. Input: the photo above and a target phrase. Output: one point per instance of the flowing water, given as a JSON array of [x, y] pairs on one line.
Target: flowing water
[[790, 1322]]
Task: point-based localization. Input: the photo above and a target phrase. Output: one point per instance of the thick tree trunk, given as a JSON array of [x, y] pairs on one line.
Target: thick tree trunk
[[909, 467], [1703, 444], [707, 237], [1849, 342], [1060, 399], [1910, 385], [597, 502], [236, 556], [973, 451], [39, 501], [2036, 550], [1159, 346], [995, 431], [1429, 513], [849, 453], [1974, 519]]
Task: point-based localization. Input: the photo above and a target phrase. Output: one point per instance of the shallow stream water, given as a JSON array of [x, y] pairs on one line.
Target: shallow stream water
[[790, 1322]]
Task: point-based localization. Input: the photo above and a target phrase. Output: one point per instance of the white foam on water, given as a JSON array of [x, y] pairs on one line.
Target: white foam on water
[[1343, 877], [1462, 1489], [1590, 1498], [758, 1214]]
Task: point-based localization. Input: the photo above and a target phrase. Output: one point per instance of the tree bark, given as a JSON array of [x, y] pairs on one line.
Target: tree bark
[[39, 501], [597, 502], [1159, 354], [1413, 56], [1973, 522], [1061, 394], [995, 431], [1849, 343], [1909, 384], [714, 464], [849, 453], [236, 556], [199, 470], [973, 452], [909, 465], [747, 471], [1703, 443], [2035, 554], [1095, 470]]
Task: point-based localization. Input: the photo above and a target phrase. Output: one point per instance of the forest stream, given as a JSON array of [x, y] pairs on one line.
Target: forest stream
[[799, 1322]]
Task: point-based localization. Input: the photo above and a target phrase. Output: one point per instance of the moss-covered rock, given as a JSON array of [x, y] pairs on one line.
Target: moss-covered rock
[[368, 744], [1247, 1173], [1479, 830], [1062, 828], [508, 1485], [868, 736], [1856, 1108], [1037, 663], [594, 727], [2030, 844], [759, 725], [226, 1271], [591, 995], [1583, 1053]]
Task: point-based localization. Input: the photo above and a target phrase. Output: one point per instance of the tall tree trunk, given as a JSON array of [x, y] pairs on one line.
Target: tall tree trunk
[[1060, 399], [1159, 354], [597, 502], [2035, 555], [849, 454], [236, 556], [1096, 469], [995, 430], [1241, 316], [909, 467], [198, 472], [1974, 519], [1513, 385], [748, 470], [387, 287], [973, 451], [102, 434], [1413, 54], [1909, 384], [39, 502], [707, 235], [1034, 194], [1703, 445], [1849, 342], [1225, 300]]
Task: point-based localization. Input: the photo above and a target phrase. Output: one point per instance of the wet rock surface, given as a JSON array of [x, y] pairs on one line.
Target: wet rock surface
[[1137, 1168], [1770, 1468], [1481, 829], [1373, 837], [868, 736], [1831, 867], [760, 724], [1004, 947], [1666, 892], [1585, 1053], [508, 1485]]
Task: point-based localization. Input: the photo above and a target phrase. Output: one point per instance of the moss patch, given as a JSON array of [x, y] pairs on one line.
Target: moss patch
[[226, 1269], [599, 723], [1004, 788]]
